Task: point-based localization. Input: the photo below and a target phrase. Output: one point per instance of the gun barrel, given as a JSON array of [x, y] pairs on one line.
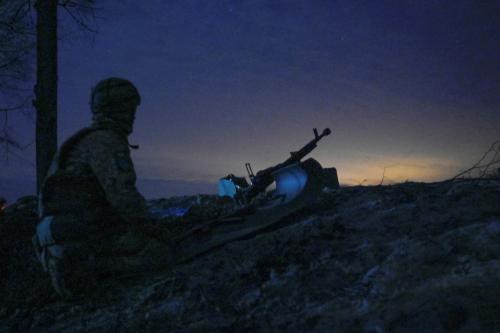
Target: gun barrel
[[298, 155], [264, 177]]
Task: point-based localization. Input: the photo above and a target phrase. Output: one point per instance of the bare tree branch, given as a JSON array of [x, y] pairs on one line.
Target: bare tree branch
[[16, 50], [9, 109], [15, 108], [80, 11], [17, 56], [10, 142], [485, 169], [79, 21], [383, 176]]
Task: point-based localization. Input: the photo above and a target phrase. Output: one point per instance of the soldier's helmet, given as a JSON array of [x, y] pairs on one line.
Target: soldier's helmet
[[114, 95]]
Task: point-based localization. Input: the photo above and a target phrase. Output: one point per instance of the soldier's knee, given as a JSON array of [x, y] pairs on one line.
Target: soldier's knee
[[69, 265]]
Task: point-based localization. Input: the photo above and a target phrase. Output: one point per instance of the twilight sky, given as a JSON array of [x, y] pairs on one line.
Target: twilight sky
[[408, 85]]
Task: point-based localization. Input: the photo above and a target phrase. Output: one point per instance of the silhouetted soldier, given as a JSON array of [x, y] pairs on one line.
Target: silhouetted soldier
[[93, 219]]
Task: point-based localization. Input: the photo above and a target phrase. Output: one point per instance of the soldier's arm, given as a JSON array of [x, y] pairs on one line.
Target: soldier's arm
[[109, 158]]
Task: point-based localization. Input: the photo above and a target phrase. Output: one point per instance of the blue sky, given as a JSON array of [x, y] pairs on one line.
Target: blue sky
[[407, 85]]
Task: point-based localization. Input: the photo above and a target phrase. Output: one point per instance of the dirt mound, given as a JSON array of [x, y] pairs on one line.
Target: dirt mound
[[411, 257]]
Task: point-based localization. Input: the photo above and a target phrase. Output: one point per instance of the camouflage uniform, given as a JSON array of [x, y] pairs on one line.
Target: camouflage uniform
[[93, 219]]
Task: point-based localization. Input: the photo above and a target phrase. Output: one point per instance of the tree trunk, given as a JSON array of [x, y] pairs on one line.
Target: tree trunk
[[46, 87]]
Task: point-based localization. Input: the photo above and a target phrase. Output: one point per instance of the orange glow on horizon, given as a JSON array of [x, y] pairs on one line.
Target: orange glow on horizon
[[390, 172]]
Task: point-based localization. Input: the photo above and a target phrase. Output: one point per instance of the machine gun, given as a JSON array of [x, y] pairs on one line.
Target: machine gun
[[297, 185], [244, 193]]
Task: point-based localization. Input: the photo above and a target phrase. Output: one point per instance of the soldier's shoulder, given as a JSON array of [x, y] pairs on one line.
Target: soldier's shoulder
[[104, 137]]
